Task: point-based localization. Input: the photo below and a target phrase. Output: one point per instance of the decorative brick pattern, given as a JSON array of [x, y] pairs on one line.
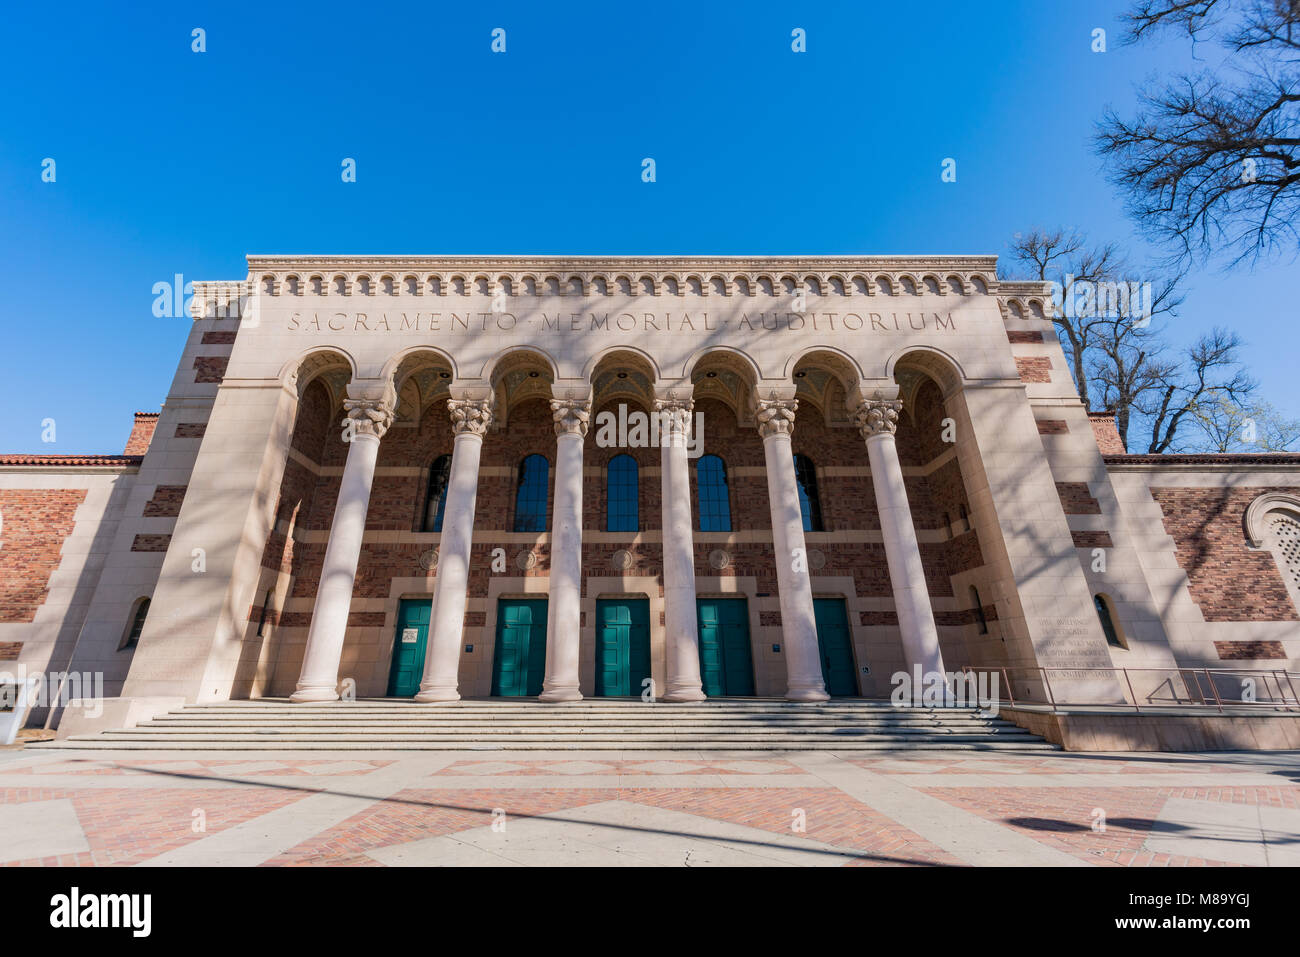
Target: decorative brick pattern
[[141, 433], [151, 543], [1034, 369], [218, 338], [475, 619], [1107, 433], [1228, 581], [1091, 539], [1023, 337], [166, 502], [210, 368], [9, 650], [190, 430], [1076, 499], [36, 523], [1249, 650], [1053, 427], [772, 618]]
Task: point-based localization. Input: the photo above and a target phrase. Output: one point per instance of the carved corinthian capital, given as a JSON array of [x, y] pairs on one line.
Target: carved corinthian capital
[[571, 416], [776, 416], [470, 415], [876, 416], [367, 416], [674, 416]]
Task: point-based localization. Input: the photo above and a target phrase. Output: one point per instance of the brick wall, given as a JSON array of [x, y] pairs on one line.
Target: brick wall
[[1107, 433], [166, 502], [36, 523], [141, 433], [1228, 581]]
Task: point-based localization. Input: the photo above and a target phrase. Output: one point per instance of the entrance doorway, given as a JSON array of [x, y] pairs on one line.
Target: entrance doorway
[[835, 642], [726, 664], [408, 647], [622, 646], [519, 664]]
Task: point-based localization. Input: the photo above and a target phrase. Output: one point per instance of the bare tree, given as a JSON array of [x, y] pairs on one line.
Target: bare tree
[[1211, 163], [1228, 427]]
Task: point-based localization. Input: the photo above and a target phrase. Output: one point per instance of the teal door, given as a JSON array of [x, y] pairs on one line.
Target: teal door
[[725, 663], [622, 646], [408, 647], [520, 660], [836, 645]]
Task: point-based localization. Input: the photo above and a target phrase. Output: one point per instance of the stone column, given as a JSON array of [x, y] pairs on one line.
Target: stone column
[[877, 418], [681, 626], [470, 420], [564, 609], [366, 422], [803, 667]]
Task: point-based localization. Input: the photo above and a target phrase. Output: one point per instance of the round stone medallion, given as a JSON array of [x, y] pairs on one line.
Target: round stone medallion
[[429, 559], [621, 559], [719, 559], [816, 559], [526, 560]]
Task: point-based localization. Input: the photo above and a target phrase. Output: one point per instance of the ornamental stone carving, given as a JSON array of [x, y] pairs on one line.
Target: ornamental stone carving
[[877, 416], [776, 416], [571, 416], [367, 417], [674, 416], [473, 416]]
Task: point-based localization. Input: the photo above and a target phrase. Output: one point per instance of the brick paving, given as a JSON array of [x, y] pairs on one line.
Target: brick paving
[[128, 808]]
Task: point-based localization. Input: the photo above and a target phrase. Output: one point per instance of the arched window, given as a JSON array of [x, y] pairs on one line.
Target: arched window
[[530, 494], [621, 495], [1108, 625], [137, 625], [805, 476], [436, 499], [714, 496], [947, 524], [964, 516], [266, 608], [979, 610]]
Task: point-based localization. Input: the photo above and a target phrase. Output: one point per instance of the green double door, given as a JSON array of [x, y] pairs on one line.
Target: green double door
[[622, 646], [726, 665], [408, 647], [519, 664], [835, 642]]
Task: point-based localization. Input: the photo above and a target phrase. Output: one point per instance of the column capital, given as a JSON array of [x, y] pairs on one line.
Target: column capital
[[877, 416], [674, 415], [368, 416], [472, 416], [571, 416], [775, 416]]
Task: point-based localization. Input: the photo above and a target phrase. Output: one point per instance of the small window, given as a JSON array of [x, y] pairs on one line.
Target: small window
[[137, 625], [435, 501], [1108, 625], [266, 607], [947, 524], [964, 517], [713, 494], [979, 611], [805, 475], [531, 494], [622, 513]]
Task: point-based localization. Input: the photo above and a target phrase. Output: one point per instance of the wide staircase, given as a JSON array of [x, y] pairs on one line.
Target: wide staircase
[[591, 725]]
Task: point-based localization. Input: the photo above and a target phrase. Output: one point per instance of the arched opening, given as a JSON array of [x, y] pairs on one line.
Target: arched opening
[[805, 474], [978, 605], [435, 501], [1109, 624], [139, 612]]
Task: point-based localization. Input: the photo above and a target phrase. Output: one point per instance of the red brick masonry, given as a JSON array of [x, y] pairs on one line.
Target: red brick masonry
[[36, 523]]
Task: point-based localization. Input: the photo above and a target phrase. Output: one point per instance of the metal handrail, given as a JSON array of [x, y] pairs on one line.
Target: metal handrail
[[1280, 700]]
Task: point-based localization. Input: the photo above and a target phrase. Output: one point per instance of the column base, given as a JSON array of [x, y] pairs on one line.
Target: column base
[[559, 695], [806, 694], [426, 696], [308, 695], [685, 694]]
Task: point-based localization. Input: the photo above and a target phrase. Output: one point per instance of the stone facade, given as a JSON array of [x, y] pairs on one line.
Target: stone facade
[[971, 510]]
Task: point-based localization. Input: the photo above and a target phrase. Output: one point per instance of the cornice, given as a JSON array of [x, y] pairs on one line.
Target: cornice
[[833, 263]]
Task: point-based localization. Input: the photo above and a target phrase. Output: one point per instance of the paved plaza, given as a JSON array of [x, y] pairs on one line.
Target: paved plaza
[[498, 808]]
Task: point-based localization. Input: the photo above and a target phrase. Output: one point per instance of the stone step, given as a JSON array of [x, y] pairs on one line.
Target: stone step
[[756, 721], [693, 744]]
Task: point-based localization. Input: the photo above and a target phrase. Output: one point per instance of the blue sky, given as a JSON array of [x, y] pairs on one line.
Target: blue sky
[[169, 161]]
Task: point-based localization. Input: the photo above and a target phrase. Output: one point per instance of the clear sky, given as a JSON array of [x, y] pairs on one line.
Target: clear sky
[[170, 161]]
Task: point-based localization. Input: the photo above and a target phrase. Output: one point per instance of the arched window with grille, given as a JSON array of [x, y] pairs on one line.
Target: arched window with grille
[[435, 501], [805, 475], [531, 493], [1108, 625], [622, 513], [714, 505], [138, 614]]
